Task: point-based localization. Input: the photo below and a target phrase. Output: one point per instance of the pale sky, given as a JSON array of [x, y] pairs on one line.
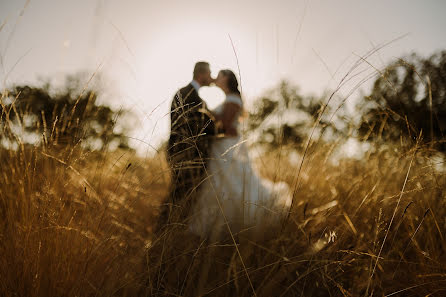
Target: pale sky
[[147, 49]]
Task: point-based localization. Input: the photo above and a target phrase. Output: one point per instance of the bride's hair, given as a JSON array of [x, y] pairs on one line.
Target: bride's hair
[[233, 86], [232, 81]]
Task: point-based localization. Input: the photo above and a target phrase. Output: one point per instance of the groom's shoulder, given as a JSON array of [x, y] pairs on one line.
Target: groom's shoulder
[[187, 91]]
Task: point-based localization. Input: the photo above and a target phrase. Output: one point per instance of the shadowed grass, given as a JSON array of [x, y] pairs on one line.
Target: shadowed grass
[[76, 223]]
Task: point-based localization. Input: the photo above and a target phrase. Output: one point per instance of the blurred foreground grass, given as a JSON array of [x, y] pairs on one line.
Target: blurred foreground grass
[[78, 223]]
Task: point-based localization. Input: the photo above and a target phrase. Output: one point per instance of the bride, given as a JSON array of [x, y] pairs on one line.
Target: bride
[[233, 194]]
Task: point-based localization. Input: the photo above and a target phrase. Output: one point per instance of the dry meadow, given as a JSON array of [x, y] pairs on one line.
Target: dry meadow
[[79, 223]]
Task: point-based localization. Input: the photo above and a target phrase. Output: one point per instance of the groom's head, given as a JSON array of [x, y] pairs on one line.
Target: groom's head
[[202, 73]]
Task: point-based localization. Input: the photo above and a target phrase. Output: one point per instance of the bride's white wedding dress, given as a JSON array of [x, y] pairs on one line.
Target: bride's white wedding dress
[[234, 193]]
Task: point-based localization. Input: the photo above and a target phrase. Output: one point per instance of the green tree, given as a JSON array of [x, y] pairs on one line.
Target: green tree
[[62, 117], [408, 97], [283, 116]]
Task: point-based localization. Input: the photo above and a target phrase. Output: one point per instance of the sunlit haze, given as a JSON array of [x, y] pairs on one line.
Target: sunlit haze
[[146, 49]]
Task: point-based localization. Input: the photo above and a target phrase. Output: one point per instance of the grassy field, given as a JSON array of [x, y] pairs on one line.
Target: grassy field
[[77, 223]]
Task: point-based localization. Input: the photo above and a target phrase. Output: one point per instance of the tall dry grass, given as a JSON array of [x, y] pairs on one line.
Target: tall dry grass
[[79, 223], [75, 223]]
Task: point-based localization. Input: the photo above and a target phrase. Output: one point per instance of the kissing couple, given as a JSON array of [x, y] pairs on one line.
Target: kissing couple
[[214, 186]]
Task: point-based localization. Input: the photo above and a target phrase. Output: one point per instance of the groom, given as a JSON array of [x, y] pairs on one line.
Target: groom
[[192, 129]]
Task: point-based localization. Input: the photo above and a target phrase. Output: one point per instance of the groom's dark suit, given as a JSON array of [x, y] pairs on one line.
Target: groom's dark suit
[[192, 129]]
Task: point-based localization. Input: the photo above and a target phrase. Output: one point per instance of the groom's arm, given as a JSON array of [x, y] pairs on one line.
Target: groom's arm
[[209, 122], [192, 119], [184, 111]]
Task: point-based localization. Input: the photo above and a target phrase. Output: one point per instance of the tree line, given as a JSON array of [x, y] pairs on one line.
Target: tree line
[[407, 100], [407, 103]]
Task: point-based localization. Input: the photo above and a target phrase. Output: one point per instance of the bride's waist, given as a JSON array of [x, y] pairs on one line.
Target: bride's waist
[[223, 135], [226, 138]]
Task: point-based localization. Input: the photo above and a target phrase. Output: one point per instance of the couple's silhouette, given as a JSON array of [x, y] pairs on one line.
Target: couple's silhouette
[[214, 187]]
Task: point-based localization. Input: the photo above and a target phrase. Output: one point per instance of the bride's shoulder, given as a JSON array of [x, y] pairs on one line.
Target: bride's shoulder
[[234, 98]]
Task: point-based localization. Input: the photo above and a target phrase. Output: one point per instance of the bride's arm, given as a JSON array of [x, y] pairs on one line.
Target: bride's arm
[[230, 112], [215, 115]]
